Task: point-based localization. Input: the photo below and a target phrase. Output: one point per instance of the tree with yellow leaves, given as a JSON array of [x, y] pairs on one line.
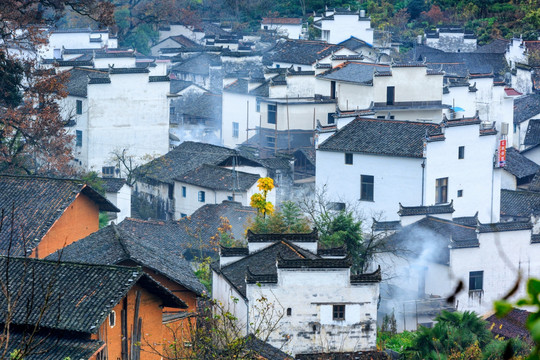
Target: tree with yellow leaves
[[259, 200]]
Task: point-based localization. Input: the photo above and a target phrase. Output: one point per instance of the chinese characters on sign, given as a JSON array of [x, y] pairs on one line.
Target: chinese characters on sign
[[502, 153]]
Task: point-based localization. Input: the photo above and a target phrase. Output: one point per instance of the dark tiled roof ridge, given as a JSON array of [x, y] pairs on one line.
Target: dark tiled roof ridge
[[451, 222], [426, 209], [74, 263], [312, 236], [314, 263]]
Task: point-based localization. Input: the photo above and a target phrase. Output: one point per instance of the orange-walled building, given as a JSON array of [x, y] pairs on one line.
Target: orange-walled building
[[42, 215], [92, 309]]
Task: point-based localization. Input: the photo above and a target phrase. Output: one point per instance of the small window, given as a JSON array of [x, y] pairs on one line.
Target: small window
[[172, 110], [112, 318], [272, 109], [336, 206], [338, 312], [289, 311], [230, 198], [78, 137], [461, 152], [201, 196], [79, 107], [390, 95], [367, 187], [348, 159], [235, 129], [171, 191], [270, 141], [441, 190], [476, 280], [265, 27], [299, 68], [258, 105], [277, 66], [460, 193], [331, 118], [332, 89], [184, 191], [182, 215], [107, 171]]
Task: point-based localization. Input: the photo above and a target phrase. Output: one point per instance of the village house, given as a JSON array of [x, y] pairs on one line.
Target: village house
[[173, 42], [42, 215], [400, 91], [287, 270], [365, 49], [291, 28], [442, 251], [159, 258], [194, 174], [451, 39], [112, 312], [84, 38], [116, 110], [358, 165], [339, 24]]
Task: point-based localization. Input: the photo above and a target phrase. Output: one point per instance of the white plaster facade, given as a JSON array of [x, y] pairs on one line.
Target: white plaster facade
[[122, 200], [339, 26], [285, 27], [76, 39]]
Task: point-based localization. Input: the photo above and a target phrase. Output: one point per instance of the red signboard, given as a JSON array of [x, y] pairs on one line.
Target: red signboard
[[502, 153]]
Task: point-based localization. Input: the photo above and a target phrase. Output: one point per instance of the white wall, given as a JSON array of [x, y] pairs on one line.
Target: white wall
[[129, 113], [411, 84], [238, 108], [117, 62], [396, 179], [300, 115], [500, 273], [224, 293], [474, 174], [289, 30], [345, 26], [310, 294]]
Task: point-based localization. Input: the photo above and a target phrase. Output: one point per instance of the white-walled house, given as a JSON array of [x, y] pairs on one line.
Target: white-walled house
[[338, 25], [451, 39], [440, 252], [86, 38], [400, 91], [526, 111], [288, 27], [114, 110], [210, 184], [376, 164], [319, 305], [194, 174]]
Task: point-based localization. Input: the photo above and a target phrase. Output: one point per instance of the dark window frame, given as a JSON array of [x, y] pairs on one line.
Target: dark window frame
[[184, 191], [107, 171], [476, 280], [78, 107], [367, 187], [338, 312], [461, 152], [460, 193], [235, 130], [390, 95], [170, 191], [201, 196], [272, 109], [441, 190], [331, 120], [349, 159], [78, 138]]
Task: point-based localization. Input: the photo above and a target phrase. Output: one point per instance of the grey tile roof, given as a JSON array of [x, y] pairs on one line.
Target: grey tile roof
[[264, 350], [438, 233], [386, 225], [114, 245], [78, 80], [354, 43], [206, 105], [356, 72], [532, 136], [185, 157], [519, 203], [304, 52], [475, 63], [380, 137], [534, 185], [511, 326], [38, 202], [518, 165], [113, 185], [526, 107], [505, 226], [198, 65], [50, 345], [497, 46], [218, 178], [80, 296], [262, 262], [179, 85], [184, 236]]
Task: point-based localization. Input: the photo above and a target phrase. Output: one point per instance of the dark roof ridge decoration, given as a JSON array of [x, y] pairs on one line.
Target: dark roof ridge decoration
[[505, 226], [252, 278], [314, 263], [462, 121], [385, 225], [426, 210], [374, 276], [336, 251], [233, 251], [115, 71], [313, 236]]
